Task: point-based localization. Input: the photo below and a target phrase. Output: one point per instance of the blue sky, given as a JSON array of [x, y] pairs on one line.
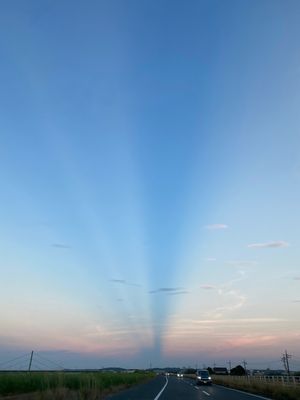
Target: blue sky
[[150, 170]]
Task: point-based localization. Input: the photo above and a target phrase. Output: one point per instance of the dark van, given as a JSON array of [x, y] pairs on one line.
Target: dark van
[[203, 378]]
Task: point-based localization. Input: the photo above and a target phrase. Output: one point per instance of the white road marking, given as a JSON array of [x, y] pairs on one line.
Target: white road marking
[[249, 394], [160, 393], [207, 394], [196, 387]]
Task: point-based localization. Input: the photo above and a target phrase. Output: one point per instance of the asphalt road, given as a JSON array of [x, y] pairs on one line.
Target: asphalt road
[[172, 388]]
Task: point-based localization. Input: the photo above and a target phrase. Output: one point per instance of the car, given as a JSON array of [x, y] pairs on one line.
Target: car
[[203, 377], [180, 375]]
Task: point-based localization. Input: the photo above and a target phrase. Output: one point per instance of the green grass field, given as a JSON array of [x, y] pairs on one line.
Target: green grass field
[[71, 385], [274, 391]]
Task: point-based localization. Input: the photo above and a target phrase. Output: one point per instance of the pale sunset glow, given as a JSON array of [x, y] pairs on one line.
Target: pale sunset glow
[[150, 182]]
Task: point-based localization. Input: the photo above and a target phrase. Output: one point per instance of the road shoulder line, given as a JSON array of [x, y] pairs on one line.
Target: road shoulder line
[[160, 393], [244, 392]]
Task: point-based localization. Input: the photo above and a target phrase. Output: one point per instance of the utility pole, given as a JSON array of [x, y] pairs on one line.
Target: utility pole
[[285, 360], [229, 363], [245, 366], [284, 363], [30, 362]]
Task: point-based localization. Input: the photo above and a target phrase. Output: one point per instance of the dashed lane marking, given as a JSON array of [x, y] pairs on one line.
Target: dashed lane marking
[[207, 394]]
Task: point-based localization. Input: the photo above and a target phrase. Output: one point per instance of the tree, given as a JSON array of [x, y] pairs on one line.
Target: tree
[[238, 371], [190, 371]]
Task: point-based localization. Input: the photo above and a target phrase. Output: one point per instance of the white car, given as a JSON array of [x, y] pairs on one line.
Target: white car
[[179, 375]]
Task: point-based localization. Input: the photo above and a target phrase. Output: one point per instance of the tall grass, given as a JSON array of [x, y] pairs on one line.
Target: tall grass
[[275, 391], [84, 383]]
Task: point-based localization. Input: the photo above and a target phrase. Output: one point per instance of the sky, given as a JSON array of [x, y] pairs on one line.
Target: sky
[[150, 182]]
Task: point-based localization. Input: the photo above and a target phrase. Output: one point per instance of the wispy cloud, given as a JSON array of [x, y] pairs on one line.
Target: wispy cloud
[[237, 301], [296, 301], [61, 246], [178, 293], [276, 244], [216, 226], [208, 287], [233, 321], [124, 282], [210, 259], [296, 278], [167, 290], [247, 340], [232, 299]]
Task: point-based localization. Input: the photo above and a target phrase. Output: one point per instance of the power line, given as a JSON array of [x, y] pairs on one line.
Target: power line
[[17, 358], [262, 362], [41, 363], [20, 360], [35, 366], [23, 367], [15, 364], [50, 361]]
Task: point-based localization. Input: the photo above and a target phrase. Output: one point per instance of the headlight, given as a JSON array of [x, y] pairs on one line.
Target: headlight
[[209, 377]]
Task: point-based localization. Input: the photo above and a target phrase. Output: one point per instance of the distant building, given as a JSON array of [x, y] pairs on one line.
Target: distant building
[[220, 371], [257, 372], [274, 372]]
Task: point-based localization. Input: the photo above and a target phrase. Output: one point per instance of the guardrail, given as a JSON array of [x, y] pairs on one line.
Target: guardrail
[[279, 379]]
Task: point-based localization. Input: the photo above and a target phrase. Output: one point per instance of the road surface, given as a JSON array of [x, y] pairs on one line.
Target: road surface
[[173, 388]]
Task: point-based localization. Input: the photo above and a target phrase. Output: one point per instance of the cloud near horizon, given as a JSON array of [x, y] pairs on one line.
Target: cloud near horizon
[[216, 226], [276, 244]]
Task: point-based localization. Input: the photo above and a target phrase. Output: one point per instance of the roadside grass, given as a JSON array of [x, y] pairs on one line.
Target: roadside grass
[[275, 391], [60, 385]]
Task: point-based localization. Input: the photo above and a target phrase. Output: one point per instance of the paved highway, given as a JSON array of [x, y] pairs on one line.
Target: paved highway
[[172, 388]]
